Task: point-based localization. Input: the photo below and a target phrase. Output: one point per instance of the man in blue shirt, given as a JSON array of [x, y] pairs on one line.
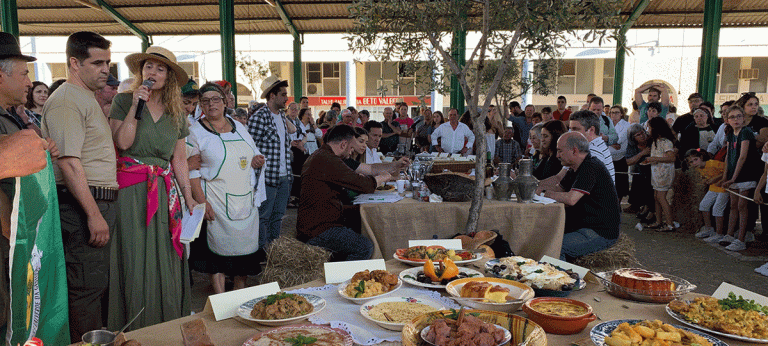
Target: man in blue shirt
[[657, 92]]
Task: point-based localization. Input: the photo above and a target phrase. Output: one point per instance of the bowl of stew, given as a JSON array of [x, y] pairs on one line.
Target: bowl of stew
[[559, 315]]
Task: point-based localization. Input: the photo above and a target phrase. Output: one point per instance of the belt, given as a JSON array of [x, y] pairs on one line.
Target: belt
[[99, 193]]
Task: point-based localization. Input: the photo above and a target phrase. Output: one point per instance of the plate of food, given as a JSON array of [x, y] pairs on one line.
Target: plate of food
[[418, 255], [438, 277], [281, 308], [386, 188], [311, 334], [519, 329], [644, 285], [490, 293], [367, 285], [636, 332], [546, 280], [735, 318], [394, 312]]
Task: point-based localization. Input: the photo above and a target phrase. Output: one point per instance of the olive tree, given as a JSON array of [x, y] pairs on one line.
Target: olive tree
[[421, 31]]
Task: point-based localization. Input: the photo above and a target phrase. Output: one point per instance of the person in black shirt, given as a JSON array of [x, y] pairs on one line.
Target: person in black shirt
[[592, 213], [390, 133]]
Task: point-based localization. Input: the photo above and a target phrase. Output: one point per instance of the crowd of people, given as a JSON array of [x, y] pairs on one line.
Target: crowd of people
[[131, 158]]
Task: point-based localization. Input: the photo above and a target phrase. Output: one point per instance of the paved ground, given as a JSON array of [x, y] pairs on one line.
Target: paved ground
[[679, 254]]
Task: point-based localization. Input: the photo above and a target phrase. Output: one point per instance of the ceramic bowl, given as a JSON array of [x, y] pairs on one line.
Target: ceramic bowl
[[559, 324], [516, 291]]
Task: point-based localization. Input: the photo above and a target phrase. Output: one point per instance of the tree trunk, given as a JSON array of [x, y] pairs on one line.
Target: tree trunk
[[478, 124]]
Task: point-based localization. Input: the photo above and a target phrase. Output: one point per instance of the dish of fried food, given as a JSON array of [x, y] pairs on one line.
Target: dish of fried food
[[709, 314], [312, 334], [434, 253], [281, 306], [648, 333], [366, 283]]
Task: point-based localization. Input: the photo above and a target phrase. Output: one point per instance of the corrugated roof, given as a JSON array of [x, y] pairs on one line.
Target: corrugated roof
[[190, 17]]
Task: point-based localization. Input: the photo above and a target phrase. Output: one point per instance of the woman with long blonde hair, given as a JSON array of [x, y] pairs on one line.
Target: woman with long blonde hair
[[148, 267]]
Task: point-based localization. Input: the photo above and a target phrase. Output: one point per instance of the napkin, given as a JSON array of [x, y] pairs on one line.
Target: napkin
[[542, 199], [344, 314]]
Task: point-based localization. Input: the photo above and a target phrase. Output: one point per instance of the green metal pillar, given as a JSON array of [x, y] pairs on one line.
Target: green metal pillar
[[459, 54], [298, 88], [10, 17], [227, 26], [707, 85], [146, 41], [298, 40], [621, 51]]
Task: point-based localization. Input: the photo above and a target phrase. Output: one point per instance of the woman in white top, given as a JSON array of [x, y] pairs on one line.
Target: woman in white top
[[313, 136], [618, 151], [227, 184]]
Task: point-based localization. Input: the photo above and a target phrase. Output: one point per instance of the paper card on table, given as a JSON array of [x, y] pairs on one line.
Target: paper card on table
[[565, 265], [725, 288], [337, 272], [446, 243], [455, 156], [224, 305], [444, 155]]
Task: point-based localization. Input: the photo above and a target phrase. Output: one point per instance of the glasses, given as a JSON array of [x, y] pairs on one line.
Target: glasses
[[207, 101]]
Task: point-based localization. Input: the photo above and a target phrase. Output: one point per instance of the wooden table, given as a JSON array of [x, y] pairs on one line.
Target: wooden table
[[235, 331], [532, 230]]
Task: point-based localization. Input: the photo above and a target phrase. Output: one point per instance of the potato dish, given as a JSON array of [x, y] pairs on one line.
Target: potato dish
[[709, 313], [366, 284], [653, 333]]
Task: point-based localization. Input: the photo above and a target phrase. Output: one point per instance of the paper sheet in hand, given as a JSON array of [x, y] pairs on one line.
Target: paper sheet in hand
[[565, 265], [446, 243], [725, 288], [542, 199], [190, 224], [224, 305], [337, 272]]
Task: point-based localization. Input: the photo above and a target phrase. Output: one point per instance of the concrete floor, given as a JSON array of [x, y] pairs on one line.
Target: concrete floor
[[680, 254]]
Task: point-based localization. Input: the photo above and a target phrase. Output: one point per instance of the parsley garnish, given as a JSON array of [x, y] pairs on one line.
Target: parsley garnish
[[733, 303], [360, 288], [300, 340], [272, 298]]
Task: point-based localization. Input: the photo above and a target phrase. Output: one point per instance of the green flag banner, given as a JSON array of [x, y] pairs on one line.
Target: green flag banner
[[38, 286]]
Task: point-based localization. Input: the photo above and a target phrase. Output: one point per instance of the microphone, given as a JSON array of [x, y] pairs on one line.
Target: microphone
[[140, 106]]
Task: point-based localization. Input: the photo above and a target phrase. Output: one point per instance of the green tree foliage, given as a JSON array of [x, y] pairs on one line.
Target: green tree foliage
[[420, 31]]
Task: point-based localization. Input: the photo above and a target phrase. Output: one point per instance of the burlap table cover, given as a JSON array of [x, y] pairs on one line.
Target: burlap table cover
[[235, 331], [532, 230]]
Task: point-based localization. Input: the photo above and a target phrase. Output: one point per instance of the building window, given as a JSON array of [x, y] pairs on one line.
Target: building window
[[395, 79], [729, 75], [760, 77], [324, 78], [609, 68], [576, 76]]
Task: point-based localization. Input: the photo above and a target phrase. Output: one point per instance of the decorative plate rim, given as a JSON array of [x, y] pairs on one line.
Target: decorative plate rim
[[341, 287], [682, 320], [348, 341], [244, 310]]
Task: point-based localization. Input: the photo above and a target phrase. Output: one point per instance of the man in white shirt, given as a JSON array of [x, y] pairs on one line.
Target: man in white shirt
[[455, 136], [374, 129], [588, 123]]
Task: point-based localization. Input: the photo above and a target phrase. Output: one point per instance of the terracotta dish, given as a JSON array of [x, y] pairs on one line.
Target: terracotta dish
[[555, 323]]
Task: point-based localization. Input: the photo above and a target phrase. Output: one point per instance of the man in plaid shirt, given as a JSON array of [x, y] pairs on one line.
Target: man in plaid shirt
[[270, 129]]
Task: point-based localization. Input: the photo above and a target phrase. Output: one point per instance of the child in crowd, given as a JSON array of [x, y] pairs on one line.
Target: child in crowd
[[741, 175], [712, 172], [662, 161]]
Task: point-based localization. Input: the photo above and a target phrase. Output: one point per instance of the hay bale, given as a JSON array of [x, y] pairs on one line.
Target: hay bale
[[291, 262], [689, 189], [620, 255]]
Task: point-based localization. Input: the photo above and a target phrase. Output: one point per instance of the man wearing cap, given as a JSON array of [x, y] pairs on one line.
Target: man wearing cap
[[105, 95], [270, 129], [85, 177], [190, 97]]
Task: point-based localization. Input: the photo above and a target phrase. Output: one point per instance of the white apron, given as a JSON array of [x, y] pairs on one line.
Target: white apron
[[235, 230]]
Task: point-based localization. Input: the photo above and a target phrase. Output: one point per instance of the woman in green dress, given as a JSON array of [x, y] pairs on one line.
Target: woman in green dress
[[148, 267]]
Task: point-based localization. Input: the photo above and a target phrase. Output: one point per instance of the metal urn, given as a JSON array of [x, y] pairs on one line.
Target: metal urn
[[525, 184], [503, 186]]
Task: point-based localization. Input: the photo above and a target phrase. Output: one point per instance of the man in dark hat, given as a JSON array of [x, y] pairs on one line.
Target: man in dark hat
[[681, 123], [105, 95], [270, 129], [86, 178]]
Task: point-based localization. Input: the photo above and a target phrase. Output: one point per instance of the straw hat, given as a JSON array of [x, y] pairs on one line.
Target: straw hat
[[160, 54], [270, 83]]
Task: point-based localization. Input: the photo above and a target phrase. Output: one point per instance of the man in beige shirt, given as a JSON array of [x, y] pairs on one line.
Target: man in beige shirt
[[86, 178]]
